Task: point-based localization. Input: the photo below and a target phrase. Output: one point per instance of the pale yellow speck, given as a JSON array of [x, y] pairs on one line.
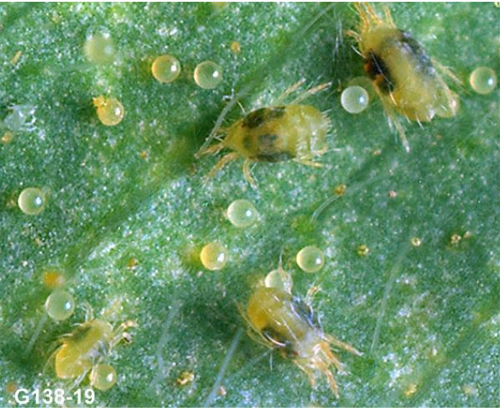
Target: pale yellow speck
[[363, 250], [416, 242]]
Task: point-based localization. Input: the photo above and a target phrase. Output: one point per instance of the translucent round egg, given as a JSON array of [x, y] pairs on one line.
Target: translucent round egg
[[166, 68], [242, 213], [310, 259], [31, 201], [208, 75], [214, 256], [483, 80], [364, 82], [354, 99], [103, 377], [279, 279], [60, 305], [110, 111], [100, 49]]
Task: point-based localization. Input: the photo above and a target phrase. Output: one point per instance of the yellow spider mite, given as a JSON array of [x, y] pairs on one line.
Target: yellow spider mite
[[288, 324], [274, 134], [87, 346], [403, 75]]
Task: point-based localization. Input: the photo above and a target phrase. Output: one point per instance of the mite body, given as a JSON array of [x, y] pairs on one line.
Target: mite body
[[88, 345], [288, 324], [403, 75], [274, 134]]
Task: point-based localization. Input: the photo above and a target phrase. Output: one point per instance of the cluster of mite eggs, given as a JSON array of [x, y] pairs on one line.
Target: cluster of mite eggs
[[82, 352], [100, 49], [279, 319]]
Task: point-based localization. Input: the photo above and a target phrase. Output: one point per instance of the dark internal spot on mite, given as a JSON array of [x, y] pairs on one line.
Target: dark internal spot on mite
[[421, 58], [305, 313], [285, 346], [259, 116], [273, 157], [247, 141], [266, 143], [268, 151], [80, 332], [378, 72]]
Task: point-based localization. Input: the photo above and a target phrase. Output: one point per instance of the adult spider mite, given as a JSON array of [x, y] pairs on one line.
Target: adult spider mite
[[87, 346], [287, 323], [273, 134], [403, 75]]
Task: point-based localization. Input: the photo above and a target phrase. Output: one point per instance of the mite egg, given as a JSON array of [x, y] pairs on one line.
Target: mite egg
[[483, 80], [31, 201], [310, 259], [242, 213], [354, 99], [103, 377], [100, 49], [214, 256], [279, 279], [208, 75], [60, 305], [110, 111], [166, 68]]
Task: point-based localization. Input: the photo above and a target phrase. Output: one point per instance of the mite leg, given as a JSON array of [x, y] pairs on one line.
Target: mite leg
[[222, 162], [388, 17], [50, 360], [331, 358], [308, 372], [446, 71], [332, 382], [345, 346], [213, 150], [354, 35], [394, 121], [309, 92], [289, 91], [120, 333], [308, 163], [78, 380], [367, 15], [248, 175]]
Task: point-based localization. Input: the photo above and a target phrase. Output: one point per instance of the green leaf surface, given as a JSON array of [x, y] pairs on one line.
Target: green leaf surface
[[425, 317]]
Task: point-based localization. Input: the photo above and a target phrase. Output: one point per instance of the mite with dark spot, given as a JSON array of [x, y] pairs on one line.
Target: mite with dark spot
[[286, 323], [403, 75], [275, 134]]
